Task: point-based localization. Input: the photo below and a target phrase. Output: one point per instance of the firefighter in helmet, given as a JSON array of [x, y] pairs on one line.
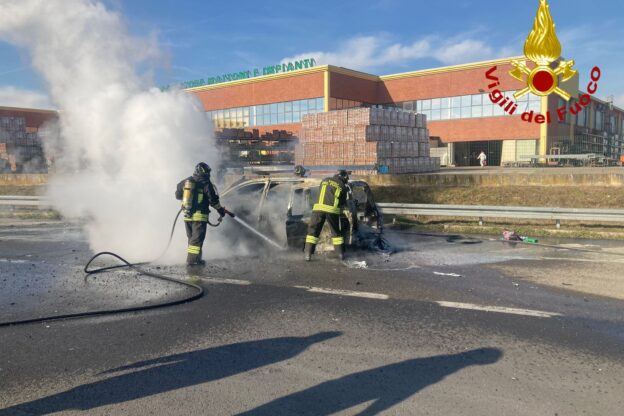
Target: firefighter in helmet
[[332, 199], [197, 193], [300, 171]]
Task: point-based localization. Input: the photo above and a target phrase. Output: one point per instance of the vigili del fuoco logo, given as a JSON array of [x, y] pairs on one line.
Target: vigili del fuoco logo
[[543, 74]]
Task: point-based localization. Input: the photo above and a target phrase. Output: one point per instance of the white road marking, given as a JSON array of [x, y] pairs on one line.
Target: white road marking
[[498, 309], [340, 292], [580, 260], [12, 261], [219, 280], [448, 274]]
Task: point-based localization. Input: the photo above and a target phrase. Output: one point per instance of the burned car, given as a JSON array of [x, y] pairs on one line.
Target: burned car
[[281, 208]]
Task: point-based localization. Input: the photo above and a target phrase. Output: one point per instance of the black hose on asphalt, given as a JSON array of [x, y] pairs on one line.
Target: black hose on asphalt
[[199, 291]]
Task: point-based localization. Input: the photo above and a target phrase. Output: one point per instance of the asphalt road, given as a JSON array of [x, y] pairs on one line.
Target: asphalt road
[[436, 328]]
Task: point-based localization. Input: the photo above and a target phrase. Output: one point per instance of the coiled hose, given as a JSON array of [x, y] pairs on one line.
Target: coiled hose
[[199, 291]]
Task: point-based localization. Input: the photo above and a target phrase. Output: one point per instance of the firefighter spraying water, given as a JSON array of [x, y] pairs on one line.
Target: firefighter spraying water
[[198, 194]]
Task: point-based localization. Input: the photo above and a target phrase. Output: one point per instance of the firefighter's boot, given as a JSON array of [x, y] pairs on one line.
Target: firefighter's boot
[[340, 250], [309, 250]]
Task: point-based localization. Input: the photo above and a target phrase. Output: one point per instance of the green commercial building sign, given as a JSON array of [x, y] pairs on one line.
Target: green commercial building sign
[[256, 72]]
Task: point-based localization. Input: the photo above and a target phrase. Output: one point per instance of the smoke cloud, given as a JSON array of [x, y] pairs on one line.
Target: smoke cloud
[[122, 144]]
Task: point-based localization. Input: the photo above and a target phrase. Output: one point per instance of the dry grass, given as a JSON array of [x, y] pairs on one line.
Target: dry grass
[[523, 227], [536, 196], [22, 190]]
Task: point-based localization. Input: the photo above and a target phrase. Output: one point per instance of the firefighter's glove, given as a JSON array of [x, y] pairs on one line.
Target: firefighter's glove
[[221, 212]]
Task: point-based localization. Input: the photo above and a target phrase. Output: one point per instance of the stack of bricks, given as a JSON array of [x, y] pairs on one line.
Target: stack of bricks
[[241, 147], [19, 147], [396, 141]]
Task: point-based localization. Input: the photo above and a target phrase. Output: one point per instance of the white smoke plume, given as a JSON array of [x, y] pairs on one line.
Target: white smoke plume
[[125, 144]]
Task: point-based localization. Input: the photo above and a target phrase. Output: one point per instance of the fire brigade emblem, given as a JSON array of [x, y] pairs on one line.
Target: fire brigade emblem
[[543, 48]]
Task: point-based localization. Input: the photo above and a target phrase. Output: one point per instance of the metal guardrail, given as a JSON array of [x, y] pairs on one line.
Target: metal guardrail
[[470, 211], [484, 211], [23, 201]]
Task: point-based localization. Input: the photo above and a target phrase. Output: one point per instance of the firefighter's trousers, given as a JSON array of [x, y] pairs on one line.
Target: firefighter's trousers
[[196, 233], [316, 226]]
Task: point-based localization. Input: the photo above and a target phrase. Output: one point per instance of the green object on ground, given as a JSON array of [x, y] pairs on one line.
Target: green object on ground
[[530, 240]]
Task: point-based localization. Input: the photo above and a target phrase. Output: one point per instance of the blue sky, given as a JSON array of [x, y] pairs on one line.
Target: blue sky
[[207, 38]]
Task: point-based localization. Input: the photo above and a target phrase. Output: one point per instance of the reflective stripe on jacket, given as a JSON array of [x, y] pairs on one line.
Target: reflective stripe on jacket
[[332, 196]]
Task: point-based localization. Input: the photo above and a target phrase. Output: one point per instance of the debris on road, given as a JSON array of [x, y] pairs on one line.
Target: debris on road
[[357, 264], [447, 274], [510, 235]]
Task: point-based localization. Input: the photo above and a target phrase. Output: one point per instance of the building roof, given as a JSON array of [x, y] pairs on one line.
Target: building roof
[[34, 117], [357, 74]]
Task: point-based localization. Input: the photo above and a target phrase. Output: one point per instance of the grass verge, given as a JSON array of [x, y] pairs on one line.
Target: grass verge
[[524, 228]]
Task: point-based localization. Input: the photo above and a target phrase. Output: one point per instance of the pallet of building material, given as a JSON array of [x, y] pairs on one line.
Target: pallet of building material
[[341, 153], [398, 148], [362, 133], [340, 133], [309, 121], [421, 121], [364, 116]]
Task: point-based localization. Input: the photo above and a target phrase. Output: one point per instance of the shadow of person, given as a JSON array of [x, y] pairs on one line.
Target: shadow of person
[[171, 373], [387, 385]]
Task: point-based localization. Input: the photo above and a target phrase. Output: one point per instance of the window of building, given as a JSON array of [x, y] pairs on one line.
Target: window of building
[[466, 112], [599, 120], [535, 103], [455, 112], [561, 103], [265, 114], [581, 118], [488, 110], [468, 106]]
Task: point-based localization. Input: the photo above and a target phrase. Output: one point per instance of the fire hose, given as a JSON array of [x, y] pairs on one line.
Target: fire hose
[[199, 291]]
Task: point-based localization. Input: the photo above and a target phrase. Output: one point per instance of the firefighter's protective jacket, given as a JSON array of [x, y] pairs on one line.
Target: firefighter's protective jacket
[[332, 196], [204, 195]]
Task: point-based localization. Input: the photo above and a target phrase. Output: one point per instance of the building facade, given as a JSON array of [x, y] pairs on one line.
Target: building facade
[[21, 148], [455, 100]]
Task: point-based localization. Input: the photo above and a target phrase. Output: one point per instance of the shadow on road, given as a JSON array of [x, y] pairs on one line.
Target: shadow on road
[[387, 385], [171, 373]]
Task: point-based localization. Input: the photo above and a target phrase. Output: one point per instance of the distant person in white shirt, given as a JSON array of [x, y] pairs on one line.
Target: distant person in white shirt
[[482, 159]]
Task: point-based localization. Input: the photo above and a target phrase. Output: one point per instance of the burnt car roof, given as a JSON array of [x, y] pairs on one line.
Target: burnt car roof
[[298, 182]]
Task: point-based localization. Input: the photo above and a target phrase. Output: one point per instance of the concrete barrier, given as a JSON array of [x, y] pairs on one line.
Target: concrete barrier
[[614, 178], [578, 177], [23, 179]]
